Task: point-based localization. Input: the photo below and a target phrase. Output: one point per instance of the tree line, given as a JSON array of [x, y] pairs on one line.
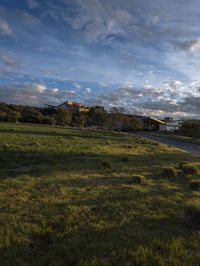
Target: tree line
[[191, 128], [116, 119]]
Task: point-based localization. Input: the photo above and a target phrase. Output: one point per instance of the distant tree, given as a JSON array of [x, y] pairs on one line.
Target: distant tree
[[98, 116], [191, 128], [48, 111], [9, 116], [63, 117], [80, 119], [116, 119], [31, 115], [48, 120], [132, 123]]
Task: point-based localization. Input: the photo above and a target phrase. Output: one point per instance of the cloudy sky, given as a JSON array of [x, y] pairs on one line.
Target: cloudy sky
[[139, 54]]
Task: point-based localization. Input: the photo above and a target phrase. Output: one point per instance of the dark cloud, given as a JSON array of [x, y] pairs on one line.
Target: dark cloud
[[191, 105], [190, 46]]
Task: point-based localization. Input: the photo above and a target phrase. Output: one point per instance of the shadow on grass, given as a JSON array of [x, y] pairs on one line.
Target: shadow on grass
[[115, 245], [15, 162]]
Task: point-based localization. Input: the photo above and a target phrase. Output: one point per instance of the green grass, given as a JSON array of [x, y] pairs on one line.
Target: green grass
[[59, 206]]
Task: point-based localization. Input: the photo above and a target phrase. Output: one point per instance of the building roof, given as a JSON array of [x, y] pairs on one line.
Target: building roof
[[157, 120]]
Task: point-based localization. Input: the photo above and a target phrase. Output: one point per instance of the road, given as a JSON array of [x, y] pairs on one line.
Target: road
[[193, 148]]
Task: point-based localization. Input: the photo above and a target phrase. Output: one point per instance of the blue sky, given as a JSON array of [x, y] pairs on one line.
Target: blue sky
[[142, 55]]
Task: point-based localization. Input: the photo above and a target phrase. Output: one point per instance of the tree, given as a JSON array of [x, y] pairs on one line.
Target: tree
[[63, 117], [116, 118], [98, 116], [9, 116], [80, 119], [191, 128], [31, 115], [131, 123]]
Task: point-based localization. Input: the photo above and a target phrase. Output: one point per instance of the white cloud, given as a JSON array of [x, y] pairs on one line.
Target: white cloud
[[88, 90], [5, 29], [40, 88], [77, 86], [103, 84], [174, 84]]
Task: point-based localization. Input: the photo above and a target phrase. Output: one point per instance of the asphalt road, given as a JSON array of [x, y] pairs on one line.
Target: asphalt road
[[193, 148]]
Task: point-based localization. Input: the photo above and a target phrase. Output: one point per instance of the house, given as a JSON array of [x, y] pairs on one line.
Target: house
[[76, 107], [153, 124]]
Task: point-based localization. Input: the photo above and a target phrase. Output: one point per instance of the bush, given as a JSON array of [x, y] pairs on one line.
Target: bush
[[138, 179], [182, 164], [190, 169], [31, 116], [192, 211], [195, 185], [129, 147], [125, 159], [48, 120], [105, 165], [169, 172]]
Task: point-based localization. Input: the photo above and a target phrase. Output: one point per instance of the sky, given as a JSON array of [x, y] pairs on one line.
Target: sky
[[138, 54]]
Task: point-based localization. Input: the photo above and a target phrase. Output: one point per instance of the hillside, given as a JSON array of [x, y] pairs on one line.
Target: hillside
[[77, 197]]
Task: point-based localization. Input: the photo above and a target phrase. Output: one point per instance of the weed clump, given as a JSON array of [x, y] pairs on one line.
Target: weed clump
[[192, 211], [6, 146], [138, 179], [181, 165], [129, 147], [195, 185], [105, 165], [169, 172], [156, 143], [125, 159], [190, 169]]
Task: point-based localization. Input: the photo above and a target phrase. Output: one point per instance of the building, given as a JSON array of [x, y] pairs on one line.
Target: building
[[172, 125], [153, 124], [76, 107]]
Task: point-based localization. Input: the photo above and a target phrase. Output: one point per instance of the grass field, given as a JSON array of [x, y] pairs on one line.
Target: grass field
[[68, 197]]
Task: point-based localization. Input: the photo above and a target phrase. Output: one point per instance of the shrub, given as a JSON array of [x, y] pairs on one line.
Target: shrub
[[6, 146], [138, 179], [156, 143], [192, 211], [182, 164], [105, 165], [125, 159], [129, 147], [190, 169], [195, 185], [169, 172]]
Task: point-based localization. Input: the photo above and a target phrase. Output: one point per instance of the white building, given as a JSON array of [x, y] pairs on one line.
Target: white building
[[173, 125]]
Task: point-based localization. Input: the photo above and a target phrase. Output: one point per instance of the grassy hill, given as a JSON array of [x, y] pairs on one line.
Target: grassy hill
[[77, 197]]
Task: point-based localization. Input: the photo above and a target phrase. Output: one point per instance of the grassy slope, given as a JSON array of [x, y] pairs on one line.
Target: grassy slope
[[59, 207]]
